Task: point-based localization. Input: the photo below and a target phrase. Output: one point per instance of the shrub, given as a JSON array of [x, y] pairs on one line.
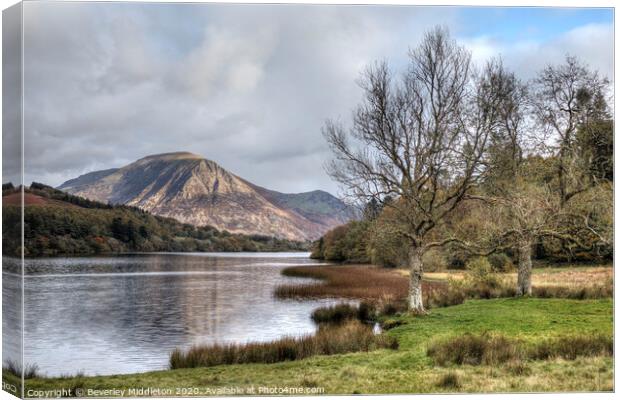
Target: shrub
[[433, 260], [340, 313], [366, 311], [444, 295], [455, 257], [449, 380], [517, 367], [389, 305], [391, 324], [13, 368], [577, 293], [500, 262], [571, 347], [490, 349], [473, 349], [482, 282], [346, 338], [480, 269]]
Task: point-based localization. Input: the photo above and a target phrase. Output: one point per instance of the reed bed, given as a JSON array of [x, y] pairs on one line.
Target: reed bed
[[359, 282], [342, 312], [349, 337], [383, 290], [350, 281]]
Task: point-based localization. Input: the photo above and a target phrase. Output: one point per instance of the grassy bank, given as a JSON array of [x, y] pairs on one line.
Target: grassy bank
[[409, 369], [384, 291]]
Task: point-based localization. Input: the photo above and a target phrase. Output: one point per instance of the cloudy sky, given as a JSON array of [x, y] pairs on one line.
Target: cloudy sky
[[248, 86]]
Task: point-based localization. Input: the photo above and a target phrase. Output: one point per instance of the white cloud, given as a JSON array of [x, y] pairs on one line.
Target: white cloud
[[592, 43]]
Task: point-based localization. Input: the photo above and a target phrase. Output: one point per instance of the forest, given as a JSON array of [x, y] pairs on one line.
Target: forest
[[62, 224]]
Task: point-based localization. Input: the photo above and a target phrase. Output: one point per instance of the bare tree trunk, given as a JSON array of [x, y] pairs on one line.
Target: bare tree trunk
[[524, 278], [415, 283]]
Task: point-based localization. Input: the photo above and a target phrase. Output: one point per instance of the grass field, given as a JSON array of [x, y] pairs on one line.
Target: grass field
[[544, 276], [408, 369]]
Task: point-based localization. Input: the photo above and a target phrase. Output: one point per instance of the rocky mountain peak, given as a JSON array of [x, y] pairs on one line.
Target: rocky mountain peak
[[198, 191]]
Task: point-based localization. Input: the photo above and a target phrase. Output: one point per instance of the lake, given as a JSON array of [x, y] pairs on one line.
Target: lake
[[124, 314]]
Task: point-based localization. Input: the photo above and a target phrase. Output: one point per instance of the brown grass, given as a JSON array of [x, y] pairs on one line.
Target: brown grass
[[441, 294], [574, 292], [571, 347], [579, 283], [473, 350], [493, 349], [578, 276], [15, 199], [449, 380], [384, 289], [350, 337], [340, 313], [350, 281]]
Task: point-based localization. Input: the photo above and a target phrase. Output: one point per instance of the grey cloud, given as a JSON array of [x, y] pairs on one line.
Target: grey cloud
[[248, 86]]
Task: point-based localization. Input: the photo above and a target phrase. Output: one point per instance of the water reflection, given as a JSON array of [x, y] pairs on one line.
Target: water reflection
[[125, 314]]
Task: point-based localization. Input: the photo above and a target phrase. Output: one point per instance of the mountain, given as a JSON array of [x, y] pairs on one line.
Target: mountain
[[200, 192]]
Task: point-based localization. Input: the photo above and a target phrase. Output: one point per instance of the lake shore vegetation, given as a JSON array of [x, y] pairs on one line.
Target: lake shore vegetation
[[410, 369], [349, 337]]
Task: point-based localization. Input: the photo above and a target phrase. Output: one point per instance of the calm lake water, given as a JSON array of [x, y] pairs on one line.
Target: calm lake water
[[111, 315]]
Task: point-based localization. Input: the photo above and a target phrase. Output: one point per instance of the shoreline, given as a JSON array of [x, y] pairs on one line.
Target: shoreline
[[127, 253], [406, 325], [324, 371]]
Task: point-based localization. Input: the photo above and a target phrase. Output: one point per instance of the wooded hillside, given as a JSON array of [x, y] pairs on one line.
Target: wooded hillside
[[57, 223]]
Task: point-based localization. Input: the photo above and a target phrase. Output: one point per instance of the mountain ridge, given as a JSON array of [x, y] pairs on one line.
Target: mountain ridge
[[198, 191]]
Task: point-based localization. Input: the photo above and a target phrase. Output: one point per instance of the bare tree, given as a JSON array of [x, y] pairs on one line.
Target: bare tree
[[520, 210], [562, 99], [524, 209], [530, 211], [419, 140], [508, 139], [521, 216]]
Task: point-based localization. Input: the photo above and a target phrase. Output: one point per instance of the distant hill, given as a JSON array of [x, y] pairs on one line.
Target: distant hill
[[198, 191], [58, 223]]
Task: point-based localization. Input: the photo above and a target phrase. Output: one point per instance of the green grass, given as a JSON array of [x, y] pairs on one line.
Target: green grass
[[409, 369]]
